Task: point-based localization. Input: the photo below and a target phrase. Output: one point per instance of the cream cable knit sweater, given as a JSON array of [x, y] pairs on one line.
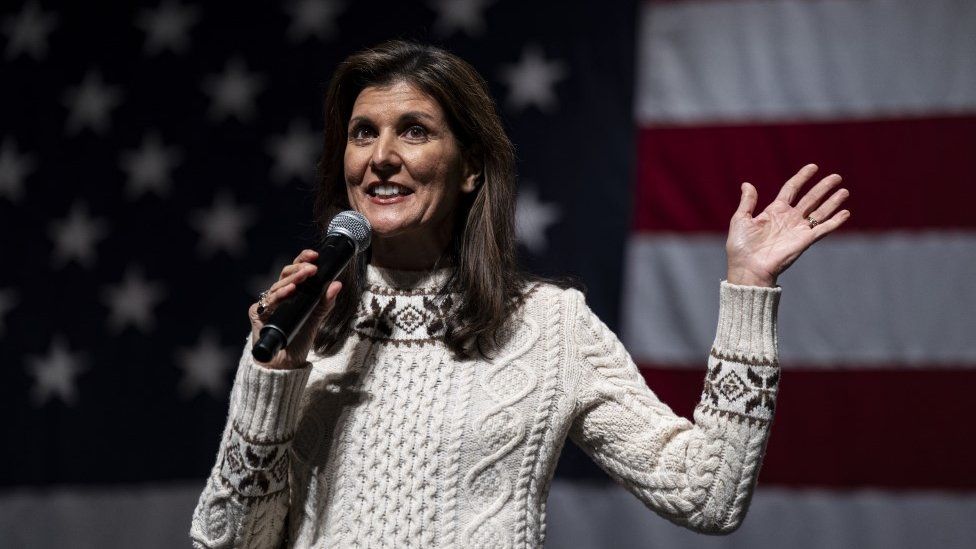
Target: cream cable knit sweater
[[391, 442]]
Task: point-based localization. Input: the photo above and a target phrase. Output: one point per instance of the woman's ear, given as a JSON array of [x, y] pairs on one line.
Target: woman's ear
[[472, 175], [470, 182]]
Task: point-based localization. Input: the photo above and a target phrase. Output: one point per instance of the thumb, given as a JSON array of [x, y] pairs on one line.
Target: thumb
[[328, 301], [299, 347], [747, 203], [333, 290]]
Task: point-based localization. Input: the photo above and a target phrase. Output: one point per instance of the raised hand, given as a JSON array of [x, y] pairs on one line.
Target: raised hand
[[296, 353], [760, 248]]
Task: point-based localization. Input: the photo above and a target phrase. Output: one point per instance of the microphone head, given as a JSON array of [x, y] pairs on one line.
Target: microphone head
[[354, 225]]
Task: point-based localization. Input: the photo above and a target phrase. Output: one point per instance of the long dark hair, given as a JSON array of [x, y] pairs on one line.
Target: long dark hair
[[486, 279]]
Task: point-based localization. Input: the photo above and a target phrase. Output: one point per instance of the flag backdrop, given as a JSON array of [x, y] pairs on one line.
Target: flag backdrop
[[156, 165]]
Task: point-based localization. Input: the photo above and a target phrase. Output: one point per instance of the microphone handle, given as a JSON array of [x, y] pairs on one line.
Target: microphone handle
[[290, 315]]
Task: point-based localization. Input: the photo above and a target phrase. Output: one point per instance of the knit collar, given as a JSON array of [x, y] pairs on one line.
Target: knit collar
[[404, 307], [396, 282]]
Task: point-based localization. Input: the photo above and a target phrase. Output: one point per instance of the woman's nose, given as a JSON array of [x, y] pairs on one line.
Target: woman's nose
[[386, 156]]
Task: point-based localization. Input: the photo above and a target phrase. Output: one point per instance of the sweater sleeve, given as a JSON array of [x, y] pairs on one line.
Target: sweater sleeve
[[245, 500], [699, 475]]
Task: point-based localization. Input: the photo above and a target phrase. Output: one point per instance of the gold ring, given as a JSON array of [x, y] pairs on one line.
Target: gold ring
[[813, 222]]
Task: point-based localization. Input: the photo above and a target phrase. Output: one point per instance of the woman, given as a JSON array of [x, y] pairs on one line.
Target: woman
[[427, 399]]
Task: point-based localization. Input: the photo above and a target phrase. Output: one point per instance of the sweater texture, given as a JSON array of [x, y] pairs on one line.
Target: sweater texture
[[391, 441]]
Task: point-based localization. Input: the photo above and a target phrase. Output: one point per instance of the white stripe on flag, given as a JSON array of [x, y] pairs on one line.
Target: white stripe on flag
[[144, 516], [863, 300], [759, 60], [592, 516], [580, 515]]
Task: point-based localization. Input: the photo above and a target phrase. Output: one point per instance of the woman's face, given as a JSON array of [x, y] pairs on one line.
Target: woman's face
[[403, 166]]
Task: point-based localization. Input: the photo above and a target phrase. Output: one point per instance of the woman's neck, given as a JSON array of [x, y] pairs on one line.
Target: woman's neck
[[410, 252]]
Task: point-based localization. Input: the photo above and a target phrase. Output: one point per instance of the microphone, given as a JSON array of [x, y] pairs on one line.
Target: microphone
[[349, 233]]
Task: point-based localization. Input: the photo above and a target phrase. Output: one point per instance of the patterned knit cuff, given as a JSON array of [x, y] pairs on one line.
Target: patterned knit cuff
[[266, 401], [747, 323], [743, 368]]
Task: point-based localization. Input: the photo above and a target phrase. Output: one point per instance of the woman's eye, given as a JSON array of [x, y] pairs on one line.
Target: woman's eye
[[416, 132], [361, 132]]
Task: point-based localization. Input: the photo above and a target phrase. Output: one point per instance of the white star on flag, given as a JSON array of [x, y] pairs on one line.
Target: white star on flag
[[27, 32], [533, 218], [205, 367], [131, 302], [14, 168], [167, 27], [455, 15], [8, 300], [312, 18], [294, 153], [90, 104], [222, 227], [54, 374], [149, 167], [532, 80], [233, 92], [76, 236]]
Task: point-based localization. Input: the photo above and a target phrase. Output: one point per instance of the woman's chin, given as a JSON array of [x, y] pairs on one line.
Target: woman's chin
[[384, 227]]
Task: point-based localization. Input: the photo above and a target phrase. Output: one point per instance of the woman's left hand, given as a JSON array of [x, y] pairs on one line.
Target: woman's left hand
[[760, 248]]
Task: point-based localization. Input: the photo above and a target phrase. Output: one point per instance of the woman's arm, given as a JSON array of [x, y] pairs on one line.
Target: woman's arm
[[699, 475], [245, 501]]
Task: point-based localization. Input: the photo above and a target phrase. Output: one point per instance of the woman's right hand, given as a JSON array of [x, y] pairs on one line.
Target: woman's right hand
[[296, 353]]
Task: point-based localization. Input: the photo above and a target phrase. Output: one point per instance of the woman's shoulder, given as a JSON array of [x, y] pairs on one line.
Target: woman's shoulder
[[542, 296]]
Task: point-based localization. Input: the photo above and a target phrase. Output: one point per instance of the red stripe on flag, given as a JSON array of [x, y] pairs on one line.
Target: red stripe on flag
[[858, 428], [903, 174]]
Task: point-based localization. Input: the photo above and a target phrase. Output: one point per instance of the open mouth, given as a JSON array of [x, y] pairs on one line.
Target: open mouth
[[387, 189]]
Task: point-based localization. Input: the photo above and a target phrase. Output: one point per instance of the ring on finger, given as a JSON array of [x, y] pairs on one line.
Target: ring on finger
[[263, 302], [813, 222]]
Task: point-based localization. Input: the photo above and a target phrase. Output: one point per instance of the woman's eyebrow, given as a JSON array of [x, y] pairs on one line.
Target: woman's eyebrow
[[411, 115], [416, 115], [357, 119]]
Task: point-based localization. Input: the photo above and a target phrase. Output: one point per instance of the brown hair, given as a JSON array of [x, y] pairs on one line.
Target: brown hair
[[485, 278]]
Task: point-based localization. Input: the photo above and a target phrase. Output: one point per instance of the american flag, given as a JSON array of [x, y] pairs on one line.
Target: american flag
[[156, 170]]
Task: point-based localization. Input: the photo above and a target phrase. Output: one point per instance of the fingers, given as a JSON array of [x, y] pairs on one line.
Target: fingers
[[275, 295], [252, 313], [291, 275], [305, 255], [816, 195], [830, 205], [293, 268], [301, 264], [296, 274], [828, 226], [747, 204], [794, 184]]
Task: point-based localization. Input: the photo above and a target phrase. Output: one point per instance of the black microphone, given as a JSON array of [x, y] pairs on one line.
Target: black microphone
[[348, 234]]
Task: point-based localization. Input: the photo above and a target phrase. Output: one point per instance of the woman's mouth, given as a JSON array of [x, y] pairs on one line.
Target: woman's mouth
[[387, 193]]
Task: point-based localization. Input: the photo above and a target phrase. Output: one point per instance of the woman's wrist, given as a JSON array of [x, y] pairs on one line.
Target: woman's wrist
[[280, 364], [742, 277], [274, 366]]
